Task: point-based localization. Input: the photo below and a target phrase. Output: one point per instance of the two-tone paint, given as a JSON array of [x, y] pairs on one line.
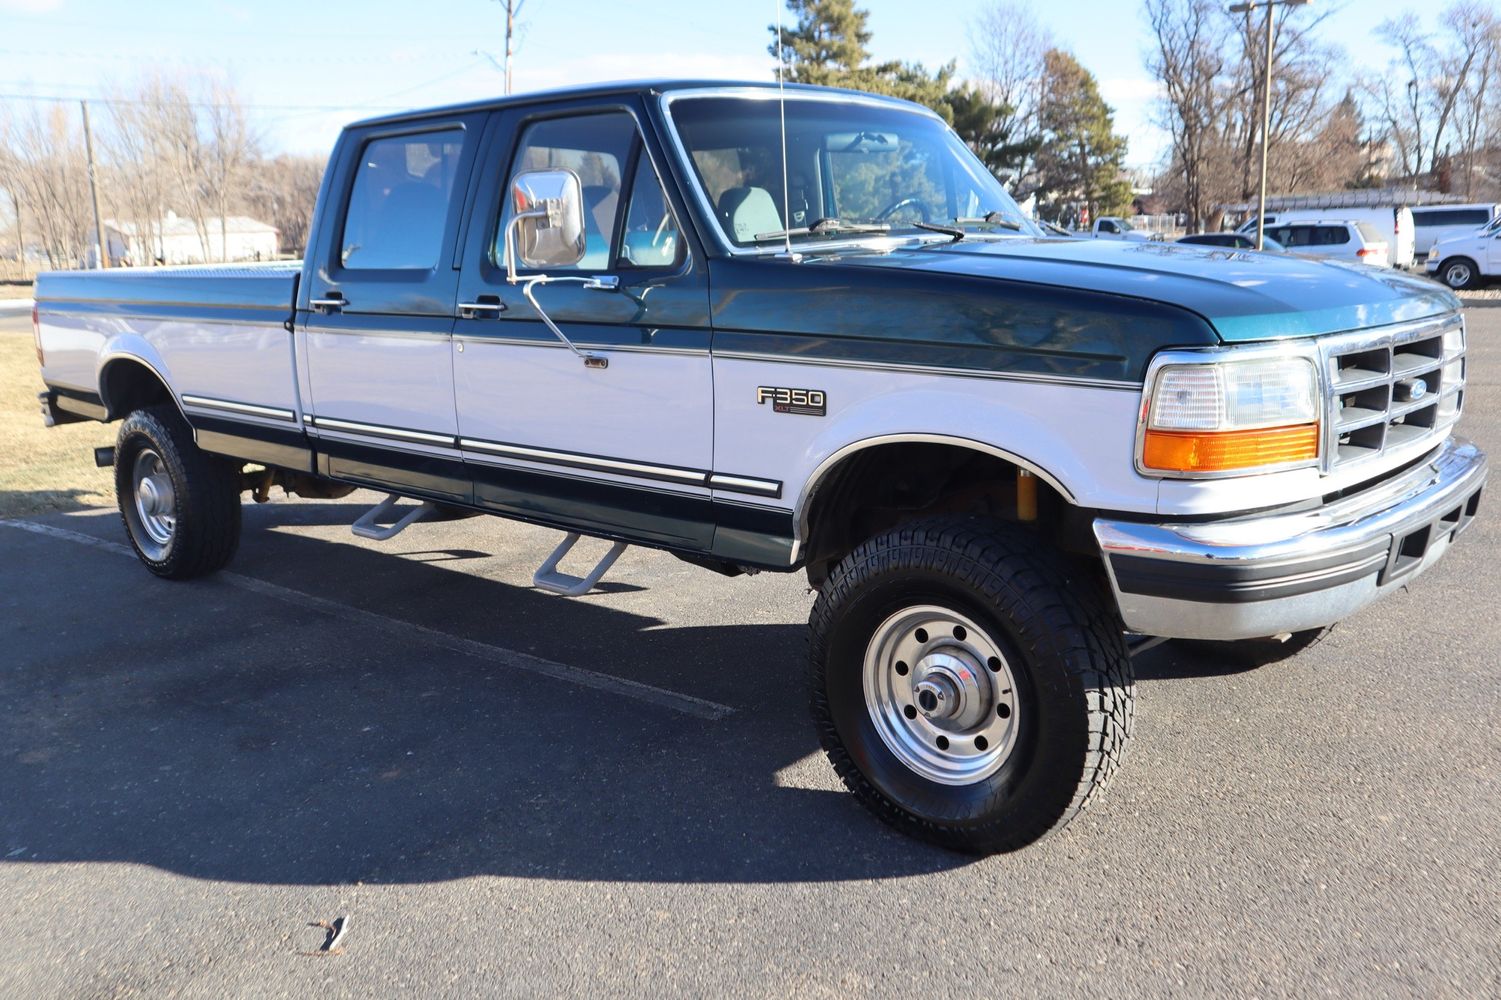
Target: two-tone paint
[[1033, 350]]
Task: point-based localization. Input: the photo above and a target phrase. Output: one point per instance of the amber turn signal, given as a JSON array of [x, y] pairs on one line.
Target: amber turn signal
[[1222, 451]]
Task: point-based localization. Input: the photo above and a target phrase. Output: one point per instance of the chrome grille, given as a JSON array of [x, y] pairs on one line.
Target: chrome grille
[[1388, 389]]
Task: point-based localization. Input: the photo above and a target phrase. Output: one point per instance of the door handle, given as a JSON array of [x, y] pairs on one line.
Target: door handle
[[482, 306], [332, 302]]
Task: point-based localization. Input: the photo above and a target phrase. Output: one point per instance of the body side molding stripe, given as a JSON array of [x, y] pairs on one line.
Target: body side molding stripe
[[1003, 376], [250, 409], [481, 449]]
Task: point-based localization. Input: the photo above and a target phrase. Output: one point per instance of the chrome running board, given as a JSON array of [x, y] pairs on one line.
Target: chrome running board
[[549, 578]]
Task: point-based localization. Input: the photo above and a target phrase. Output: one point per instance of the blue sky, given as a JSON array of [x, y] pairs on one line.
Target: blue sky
[[308, 67]]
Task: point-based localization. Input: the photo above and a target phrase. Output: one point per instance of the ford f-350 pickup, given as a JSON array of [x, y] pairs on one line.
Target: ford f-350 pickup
[[807, 331]]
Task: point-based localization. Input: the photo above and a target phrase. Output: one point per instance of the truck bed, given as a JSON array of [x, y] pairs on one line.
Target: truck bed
[[222, 286], [215, 336]]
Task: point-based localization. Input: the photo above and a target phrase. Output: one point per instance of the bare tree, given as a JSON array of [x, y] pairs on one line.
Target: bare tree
[[1434, 89], [45, 170], [231, 148], [282, 191], [1190, 59], [1007, 49]]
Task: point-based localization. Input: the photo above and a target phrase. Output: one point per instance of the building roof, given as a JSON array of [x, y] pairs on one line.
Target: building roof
[[176, 225]]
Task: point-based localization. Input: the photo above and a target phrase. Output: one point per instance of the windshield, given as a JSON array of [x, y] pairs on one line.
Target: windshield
[[853, 168]]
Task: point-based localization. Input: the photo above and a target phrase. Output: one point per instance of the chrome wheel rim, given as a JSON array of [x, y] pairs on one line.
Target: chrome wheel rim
[[941, 695], [153, 502], [1457, 275]]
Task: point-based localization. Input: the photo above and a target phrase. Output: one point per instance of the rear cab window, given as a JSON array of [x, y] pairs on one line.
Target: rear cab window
[[399, 201]]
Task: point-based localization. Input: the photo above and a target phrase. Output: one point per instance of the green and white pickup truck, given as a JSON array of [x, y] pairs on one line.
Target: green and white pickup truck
[[807, 332]]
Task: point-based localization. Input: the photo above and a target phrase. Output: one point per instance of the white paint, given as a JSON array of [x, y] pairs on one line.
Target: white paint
[[685, 703], [651, 408], [1081, 437]]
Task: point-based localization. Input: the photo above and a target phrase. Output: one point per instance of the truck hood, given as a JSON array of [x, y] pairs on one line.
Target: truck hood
[[1245, 296]]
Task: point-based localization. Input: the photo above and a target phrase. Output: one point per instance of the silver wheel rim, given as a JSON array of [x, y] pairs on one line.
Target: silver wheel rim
[[1458, 274], [941, 694], [153, 503]]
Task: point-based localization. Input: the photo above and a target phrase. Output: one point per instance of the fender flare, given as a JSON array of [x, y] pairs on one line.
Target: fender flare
[[820, 472]]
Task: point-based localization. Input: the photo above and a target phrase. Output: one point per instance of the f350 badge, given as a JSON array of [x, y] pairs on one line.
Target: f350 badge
[[809, 402]]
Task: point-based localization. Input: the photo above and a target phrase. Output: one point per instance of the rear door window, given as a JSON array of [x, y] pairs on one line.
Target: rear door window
[[399, 202], [1328, 236]]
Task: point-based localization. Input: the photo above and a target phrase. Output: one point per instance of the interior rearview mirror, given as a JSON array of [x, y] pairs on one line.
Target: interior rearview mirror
[[547, 227]]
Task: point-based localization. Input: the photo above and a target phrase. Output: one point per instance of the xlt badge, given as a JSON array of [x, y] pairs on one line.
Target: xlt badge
[[809, 402]]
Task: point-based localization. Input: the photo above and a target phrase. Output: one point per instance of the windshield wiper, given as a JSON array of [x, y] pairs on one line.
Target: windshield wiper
[[933, 227], [826, 226], [990, 219]]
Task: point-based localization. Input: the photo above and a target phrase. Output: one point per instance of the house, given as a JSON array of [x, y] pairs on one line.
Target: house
[[176, 240]]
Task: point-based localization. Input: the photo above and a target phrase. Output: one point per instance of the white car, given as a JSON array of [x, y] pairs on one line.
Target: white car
[[1467, 261], [1354, 241]]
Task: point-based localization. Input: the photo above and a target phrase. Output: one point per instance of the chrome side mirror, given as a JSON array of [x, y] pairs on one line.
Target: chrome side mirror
[[547, 229]]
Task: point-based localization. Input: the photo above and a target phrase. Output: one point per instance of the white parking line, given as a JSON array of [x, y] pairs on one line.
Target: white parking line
[[685, 703]]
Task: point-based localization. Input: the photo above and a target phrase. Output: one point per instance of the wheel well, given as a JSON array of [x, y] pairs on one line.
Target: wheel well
[[127, 385], [879, 487]]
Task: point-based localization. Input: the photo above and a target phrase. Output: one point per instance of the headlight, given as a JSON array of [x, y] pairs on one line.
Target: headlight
[[1433, 252], [1227, 417]]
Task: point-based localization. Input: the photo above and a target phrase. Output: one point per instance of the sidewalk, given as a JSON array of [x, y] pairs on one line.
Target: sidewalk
[[14, 307]]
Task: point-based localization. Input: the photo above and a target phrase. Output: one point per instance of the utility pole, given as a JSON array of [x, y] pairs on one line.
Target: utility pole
[[1266, 100], [513, 11], [88, 148]]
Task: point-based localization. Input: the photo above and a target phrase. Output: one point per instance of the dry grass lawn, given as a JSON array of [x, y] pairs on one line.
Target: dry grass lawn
[[43, 468]]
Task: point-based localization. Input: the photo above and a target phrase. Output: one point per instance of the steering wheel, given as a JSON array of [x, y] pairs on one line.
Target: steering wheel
[[901, 203]]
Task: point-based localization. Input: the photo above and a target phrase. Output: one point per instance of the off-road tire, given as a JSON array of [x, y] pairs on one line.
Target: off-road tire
[[1069, 660], [1472, 279], [206, 494], [1249, 654]]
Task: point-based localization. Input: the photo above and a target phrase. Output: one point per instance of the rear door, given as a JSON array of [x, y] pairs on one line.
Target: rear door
[[376, 315]]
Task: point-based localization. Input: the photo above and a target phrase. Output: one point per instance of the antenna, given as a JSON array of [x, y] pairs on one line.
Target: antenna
[[782, 109]]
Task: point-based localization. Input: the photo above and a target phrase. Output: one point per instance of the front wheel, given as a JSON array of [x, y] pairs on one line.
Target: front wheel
[[1459, 273], [180, 505], [969, 686]]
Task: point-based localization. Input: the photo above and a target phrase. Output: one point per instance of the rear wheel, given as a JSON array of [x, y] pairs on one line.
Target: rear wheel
[[968, 685], [180, 505], [1459, 273]]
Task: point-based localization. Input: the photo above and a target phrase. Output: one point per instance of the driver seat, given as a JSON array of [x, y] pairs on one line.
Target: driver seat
[[746, 212]]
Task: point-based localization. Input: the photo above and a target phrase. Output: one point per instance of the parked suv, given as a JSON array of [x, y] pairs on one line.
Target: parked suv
[[1354, 241]]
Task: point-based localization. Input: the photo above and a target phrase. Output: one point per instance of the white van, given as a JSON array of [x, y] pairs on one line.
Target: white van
[[1395, 224], [1439, 222]]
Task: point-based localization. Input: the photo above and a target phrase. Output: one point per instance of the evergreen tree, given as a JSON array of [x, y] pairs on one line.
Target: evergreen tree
[[828, 46], [987, 127], [1080, 159]]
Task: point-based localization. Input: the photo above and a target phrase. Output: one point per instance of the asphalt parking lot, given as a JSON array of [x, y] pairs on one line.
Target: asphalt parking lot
[[515, 794]]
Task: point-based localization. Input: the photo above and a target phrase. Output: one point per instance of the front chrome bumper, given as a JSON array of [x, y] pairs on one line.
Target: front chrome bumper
[[1267, 574]]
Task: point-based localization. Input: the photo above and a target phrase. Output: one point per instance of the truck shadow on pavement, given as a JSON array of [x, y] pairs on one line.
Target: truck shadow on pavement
[[221, 734]]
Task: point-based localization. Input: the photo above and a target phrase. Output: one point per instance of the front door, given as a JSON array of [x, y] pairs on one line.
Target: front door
[[622, 444], [375, 322]]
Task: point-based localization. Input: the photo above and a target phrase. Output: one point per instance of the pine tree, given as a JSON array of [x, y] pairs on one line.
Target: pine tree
[[828, 46], [1080, 159]]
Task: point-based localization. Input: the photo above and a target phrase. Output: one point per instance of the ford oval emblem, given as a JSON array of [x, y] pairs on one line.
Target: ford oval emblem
[[1410, 390]]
